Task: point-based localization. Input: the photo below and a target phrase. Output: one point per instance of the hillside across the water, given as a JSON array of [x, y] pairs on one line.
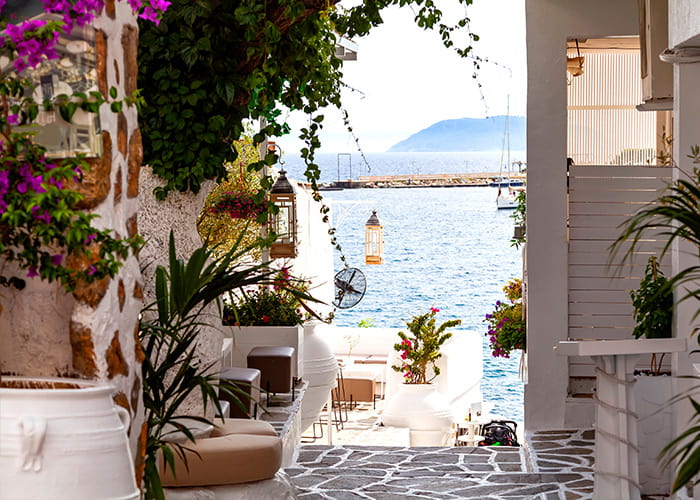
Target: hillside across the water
[[465, 134]]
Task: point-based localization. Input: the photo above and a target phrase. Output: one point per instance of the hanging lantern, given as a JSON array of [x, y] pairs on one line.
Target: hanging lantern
[[374, 240], [284, 223]]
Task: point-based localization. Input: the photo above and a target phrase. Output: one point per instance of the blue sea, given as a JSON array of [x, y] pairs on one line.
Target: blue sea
[[447, 248]]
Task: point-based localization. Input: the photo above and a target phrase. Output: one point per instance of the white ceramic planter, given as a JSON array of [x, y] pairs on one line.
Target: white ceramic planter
[[423, 409], [654, 429], [65, 443], [320, 371], [247, 337]]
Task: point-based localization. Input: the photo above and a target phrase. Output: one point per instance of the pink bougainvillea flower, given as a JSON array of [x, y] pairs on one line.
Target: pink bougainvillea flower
[[56, 259], [434, 310], [13, 119], [32, 272], [91, 270], [90, 238]]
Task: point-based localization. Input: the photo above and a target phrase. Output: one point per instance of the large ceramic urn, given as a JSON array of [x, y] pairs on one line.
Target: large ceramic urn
[[63, 439], [320, 371], [424, 410]]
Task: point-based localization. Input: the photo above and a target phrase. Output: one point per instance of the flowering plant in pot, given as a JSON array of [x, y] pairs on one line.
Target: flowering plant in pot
[[277, 304], [506, 323], [421, 350]]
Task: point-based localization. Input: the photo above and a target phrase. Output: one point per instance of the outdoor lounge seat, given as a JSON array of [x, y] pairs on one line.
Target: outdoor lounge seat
[[239, 451]]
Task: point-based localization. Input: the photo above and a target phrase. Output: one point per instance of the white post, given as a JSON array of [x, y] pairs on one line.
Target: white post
[[329, 405]]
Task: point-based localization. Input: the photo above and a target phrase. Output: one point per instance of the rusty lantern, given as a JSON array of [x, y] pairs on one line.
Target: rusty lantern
[[284, 222]]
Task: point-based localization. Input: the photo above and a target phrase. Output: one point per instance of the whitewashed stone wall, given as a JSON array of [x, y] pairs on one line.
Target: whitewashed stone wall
[[92, 333], [179, 213]]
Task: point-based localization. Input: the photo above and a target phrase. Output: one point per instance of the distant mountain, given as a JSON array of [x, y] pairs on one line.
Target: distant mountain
[[465, 134]]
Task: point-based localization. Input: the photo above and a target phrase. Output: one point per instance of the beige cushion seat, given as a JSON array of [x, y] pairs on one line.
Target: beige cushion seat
[[243, 426], [239, 451]]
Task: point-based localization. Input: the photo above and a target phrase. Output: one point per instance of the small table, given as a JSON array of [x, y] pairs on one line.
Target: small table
[[616, 455], [467, 432]]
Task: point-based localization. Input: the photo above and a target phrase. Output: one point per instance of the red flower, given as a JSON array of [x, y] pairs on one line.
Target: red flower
[[266, 319], [434, 310]]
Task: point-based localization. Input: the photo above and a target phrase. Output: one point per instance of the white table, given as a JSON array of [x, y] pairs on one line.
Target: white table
[[616, 450]]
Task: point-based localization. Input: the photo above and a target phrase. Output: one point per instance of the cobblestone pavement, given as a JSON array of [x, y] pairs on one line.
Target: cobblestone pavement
[[393, 473]]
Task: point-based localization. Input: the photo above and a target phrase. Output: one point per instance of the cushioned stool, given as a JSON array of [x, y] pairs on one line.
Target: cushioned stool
[[244, 383], [360, 389], [275, 365]]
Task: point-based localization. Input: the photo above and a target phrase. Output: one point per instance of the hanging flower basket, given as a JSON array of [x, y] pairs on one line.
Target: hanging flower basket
[[238, 206]]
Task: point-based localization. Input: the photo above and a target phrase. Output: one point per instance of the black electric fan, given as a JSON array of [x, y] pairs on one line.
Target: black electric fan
[[350, 287]]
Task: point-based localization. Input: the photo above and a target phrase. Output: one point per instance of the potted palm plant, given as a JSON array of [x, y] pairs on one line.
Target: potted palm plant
[[418, 404]]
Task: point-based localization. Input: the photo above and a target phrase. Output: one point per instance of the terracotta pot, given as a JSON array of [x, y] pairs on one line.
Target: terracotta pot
[[63, 440], [423, 409]]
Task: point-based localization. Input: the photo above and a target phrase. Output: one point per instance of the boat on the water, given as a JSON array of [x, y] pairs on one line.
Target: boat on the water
[[505, 181], [507, 198]]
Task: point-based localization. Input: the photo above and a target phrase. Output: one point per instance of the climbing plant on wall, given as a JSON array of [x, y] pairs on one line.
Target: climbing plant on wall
[[210, 65]]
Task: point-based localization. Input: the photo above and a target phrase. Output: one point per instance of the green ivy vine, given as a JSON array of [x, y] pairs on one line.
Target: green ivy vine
[[210, 65]]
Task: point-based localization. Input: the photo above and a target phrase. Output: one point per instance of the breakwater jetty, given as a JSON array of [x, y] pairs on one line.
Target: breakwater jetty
[[480, 179]]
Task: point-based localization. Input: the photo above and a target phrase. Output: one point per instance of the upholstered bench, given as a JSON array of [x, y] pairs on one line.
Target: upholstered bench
[[244, 383], [239, 451], [275, 365]]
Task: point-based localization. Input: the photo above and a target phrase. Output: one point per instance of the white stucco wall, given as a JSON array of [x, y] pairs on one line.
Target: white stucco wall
[[549, 23], [314, 259], [684, 23]]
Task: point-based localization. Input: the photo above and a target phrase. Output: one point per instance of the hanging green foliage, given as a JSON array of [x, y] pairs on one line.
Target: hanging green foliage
[[211, 64]]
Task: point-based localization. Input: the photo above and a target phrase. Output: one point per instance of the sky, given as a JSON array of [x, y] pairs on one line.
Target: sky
[[408, 80]]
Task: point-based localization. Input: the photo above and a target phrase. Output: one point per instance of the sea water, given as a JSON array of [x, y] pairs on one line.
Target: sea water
[[447, 248]]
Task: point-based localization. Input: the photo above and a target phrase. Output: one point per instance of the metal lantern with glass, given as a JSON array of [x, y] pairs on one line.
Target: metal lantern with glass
[[284, 222], [374, 240]]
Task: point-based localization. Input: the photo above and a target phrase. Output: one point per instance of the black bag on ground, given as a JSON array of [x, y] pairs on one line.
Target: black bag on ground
[[499, 433]]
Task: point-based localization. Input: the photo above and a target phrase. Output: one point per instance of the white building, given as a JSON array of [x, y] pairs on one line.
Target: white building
[[573, 215]]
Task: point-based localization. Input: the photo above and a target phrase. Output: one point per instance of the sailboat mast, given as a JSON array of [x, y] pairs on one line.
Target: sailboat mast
[[508, 136]]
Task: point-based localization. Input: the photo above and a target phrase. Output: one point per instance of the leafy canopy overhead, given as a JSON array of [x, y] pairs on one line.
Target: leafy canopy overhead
[[212, 64]]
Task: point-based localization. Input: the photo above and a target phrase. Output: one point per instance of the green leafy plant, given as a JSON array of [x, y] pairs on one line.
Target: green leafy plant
[[653, 304], [366, 323], [653, 308], [169, 330], [519, 217], [421, 350], [506, 325]]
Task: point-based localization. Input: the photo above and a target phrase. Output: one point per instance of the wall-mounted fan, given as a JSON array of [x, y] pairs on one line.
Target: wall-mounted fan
[[350, 286]]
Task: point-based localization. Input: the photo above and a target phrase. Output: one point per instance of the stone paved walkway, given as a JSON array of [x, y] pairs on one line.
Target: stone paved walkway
[[393, 473], [368, 461]]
